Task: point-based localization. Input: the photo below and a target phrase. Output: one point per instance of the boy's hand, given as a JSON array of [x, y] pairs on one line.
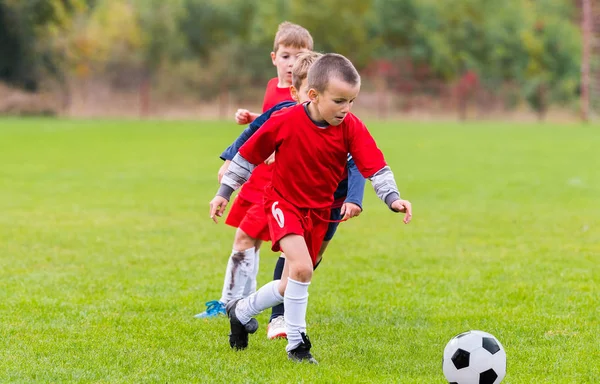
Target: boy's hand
[[350, 210], [217, 207], [243, 117], [403, 206], [271, 159], [223, 169]]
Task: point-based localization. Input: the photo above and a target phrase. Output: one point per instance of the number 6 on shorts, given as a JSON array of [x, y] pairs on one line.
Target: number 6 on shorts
[[278, 214]]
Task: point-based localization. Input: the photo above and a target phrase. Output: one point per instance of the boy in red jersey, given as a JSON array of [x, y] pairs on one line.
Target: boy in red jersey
[[240, 277], [312, 142], [246, 213], [239, 282]]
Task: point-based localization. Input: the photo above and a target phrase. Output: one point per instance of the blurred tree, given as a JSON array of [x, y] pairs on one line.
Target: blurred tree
[[346, 27], [218, 34], [21, 62], [208, 24], [63, 40], [341, 26], [161, 41], [533, 45], [530, 43], [84, 40], [14, 67], [553, 49]]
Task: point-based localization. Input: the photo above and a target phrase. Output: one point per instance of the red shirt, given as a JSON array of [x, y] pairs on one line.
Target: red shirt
[[311, 161], [253, 190], [275, 95]]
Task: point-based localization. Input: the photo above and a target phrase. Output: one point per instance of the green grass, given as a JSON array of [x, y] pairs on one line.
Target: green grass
[[107, 251]]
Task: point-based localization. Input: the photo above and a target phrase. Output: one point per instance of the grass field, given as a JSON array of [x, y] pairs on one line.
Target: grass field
[[107, 252]]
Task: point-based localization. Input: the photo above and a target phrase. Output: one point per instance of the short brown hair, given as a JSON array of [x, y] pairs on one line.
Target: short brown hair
[[292, 35], [303, 63], [331, 65]]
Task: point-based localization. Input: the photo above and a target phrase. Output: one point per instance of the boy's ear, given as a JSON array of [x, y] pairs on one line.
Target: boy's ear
[[294, 93], [273, 55], [313, 95]]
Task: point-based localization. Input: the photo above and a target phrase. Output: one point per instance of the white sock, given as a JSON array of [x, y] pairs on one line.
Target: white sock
[[250, 287], [266, 297], [239, 269], [295, 302]]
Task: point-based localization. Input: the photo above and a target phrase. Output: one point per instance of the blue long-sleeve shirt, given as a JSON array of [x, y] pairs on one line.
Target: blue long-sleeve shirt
[[352, 187]]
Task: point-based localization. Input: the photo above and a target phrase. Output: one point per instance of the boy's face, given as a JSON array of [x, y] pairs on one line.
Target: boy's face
[[335, 102], [300, 95], [284, 60]]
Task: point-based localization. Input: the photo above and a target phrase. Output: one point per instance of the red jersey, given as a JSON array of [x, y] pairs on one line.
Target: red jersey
[[311, 161], [275, 95], [253, 190]]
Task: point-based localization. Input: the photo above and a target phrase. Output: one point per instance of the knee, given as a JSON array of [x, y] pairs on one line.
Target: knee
[[243, 241], [303, 273]]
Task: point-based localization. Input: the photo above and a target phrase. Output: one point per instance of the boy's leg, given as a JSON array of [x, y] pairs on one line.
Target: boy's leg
[[300, 269], [241, 312], [277, 273], [276, 327], [250, 287], [240, 267], [256, 226], [240, 270]]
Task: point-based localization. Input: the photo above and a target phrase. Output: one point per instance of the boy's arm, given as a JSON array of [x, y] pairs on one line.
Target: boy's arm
[[253, 116], [356, 184], [372, 165], [247, 133], [230, 152], [253, 152], [238, 173], [386, 189], [244, 116]]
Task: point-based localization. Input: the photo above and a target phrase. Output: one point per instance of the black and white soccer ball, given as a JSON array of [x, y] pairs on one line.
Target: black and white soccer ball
[[474, 357]]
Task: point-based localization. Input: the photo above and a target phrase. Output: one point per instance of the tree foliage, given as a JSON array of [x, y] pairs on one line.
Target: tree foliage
[[533, 44]]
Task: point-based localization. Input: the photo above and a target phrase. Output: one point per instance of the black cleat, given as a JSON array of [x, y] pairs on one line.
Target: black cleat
[[238, 337], [302, 351]]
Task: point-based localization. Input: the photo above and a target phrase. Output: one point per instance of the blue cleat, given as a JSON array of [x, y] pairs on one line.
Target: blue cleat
[[214, 308]]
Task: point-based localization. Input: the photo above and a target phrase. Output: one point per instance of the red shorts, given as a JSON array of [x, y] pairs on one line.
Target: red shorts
[[249, 217], [286, 219]]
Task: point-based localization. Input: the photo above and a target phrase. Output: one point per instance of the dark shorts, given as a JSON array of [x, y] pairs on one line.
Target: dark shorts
[[336, 214]]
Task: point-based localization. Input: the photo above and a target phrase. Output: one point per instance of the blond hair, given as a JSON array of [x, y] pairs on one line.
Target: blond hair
[[292, 35], [332, 65], [300, 69]]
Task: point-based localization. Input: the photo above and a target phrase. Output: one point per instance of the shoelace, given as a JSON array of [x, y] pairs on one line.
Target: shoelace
[[213, 307]]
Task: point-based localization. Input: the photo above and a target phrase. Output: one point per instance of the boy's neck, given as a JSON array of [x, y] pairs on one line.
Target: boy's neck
[[313, 115], [282, 83]]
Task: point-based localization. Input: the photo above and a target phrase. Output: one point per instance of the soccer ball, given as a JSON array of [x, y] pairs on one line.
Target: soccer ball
[[474, 357]]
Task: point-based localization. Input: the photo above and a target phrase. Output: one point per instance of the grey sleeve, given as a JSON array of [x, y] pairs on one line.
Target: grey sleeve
[[384, 185], [238, 173]]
